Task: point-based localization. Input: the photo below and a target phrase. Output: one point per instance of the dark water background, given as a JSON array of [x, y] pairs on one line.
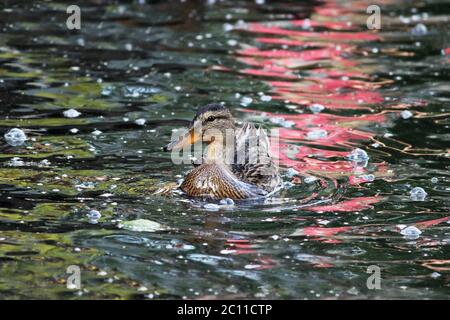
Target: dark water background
[[385, 92]]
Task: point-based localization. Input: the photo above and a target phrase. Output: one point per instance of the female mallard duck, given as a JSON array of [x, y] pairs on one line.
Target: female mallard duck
[[238, 169]]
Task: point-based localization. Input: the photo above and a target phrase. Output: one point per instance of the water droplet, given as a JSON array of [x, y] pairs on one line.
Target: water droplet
[[15, 137], [418, 194]]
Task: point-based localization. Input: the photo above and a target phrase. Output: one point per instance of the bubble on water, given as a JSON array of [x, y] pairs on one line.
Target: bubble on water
[[15, 137], [71, 113], [227, 27], [211, 207], [227, 202], [106, 91], [96, 132], [94, 216], [291, 172], [316, 108], [74, 130], [266, 98], [316, 134], [310, 179], [419, 30], [418, 194], [140, 122], [44, 163], [358, 157], [411, 232], [232, 42], [245, 101], [137, 91], [16, 162], [434, 180], [367, 177], [86, 185], [128, 46], [435, 275], [406, 114], [282, 122]]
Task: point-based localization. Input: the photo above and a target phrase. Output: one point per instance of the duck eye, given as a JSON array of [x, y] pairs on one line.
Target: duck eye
[[210, 118]]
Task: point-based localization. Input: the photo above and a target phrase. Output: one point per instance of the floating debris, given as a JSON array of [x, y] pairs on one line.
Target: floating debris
[[406, 114], [358, 157], [418, 194], [71, 113], [419, 30], [316, 134], [316, 108], [411, 232], [15, 137], [140, 122], [141, 225]]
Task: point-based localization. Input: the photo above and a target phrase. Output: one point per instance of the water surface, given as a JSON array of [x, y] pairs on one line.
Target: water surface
[[383, 91]]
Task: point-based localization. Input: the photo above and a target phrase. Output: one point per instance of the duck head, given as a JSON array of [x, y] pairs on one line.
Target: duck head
[[209, 124]]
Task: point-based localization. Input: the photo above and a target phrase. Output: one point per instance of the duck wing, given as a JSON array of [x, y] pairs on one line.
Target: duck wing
[[253, 161]]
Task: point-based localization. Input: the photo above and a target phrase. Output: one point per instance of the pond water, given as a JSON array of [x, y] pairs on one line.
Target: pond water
[[363, 118]]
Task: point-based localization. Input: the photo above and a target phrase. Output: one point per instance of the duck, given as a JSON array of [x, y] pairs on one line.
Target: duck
[[236, 164]]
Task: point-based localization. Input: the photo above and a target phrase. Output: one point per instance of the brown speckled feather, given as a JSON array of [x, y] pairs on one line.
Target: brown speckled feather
[[217, 181]]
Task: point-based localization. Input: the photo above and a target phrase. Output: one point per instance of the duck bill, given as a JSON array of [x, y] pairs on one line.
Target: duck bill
[[188, 139]]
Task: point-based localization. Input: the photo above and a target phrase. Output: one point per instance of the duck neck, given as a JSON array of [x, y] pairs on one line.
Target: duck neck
[[215, 152]]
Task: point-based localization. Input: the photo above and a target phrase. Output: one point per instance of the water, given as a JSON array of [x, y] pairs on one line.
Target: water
[[136, 71]]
